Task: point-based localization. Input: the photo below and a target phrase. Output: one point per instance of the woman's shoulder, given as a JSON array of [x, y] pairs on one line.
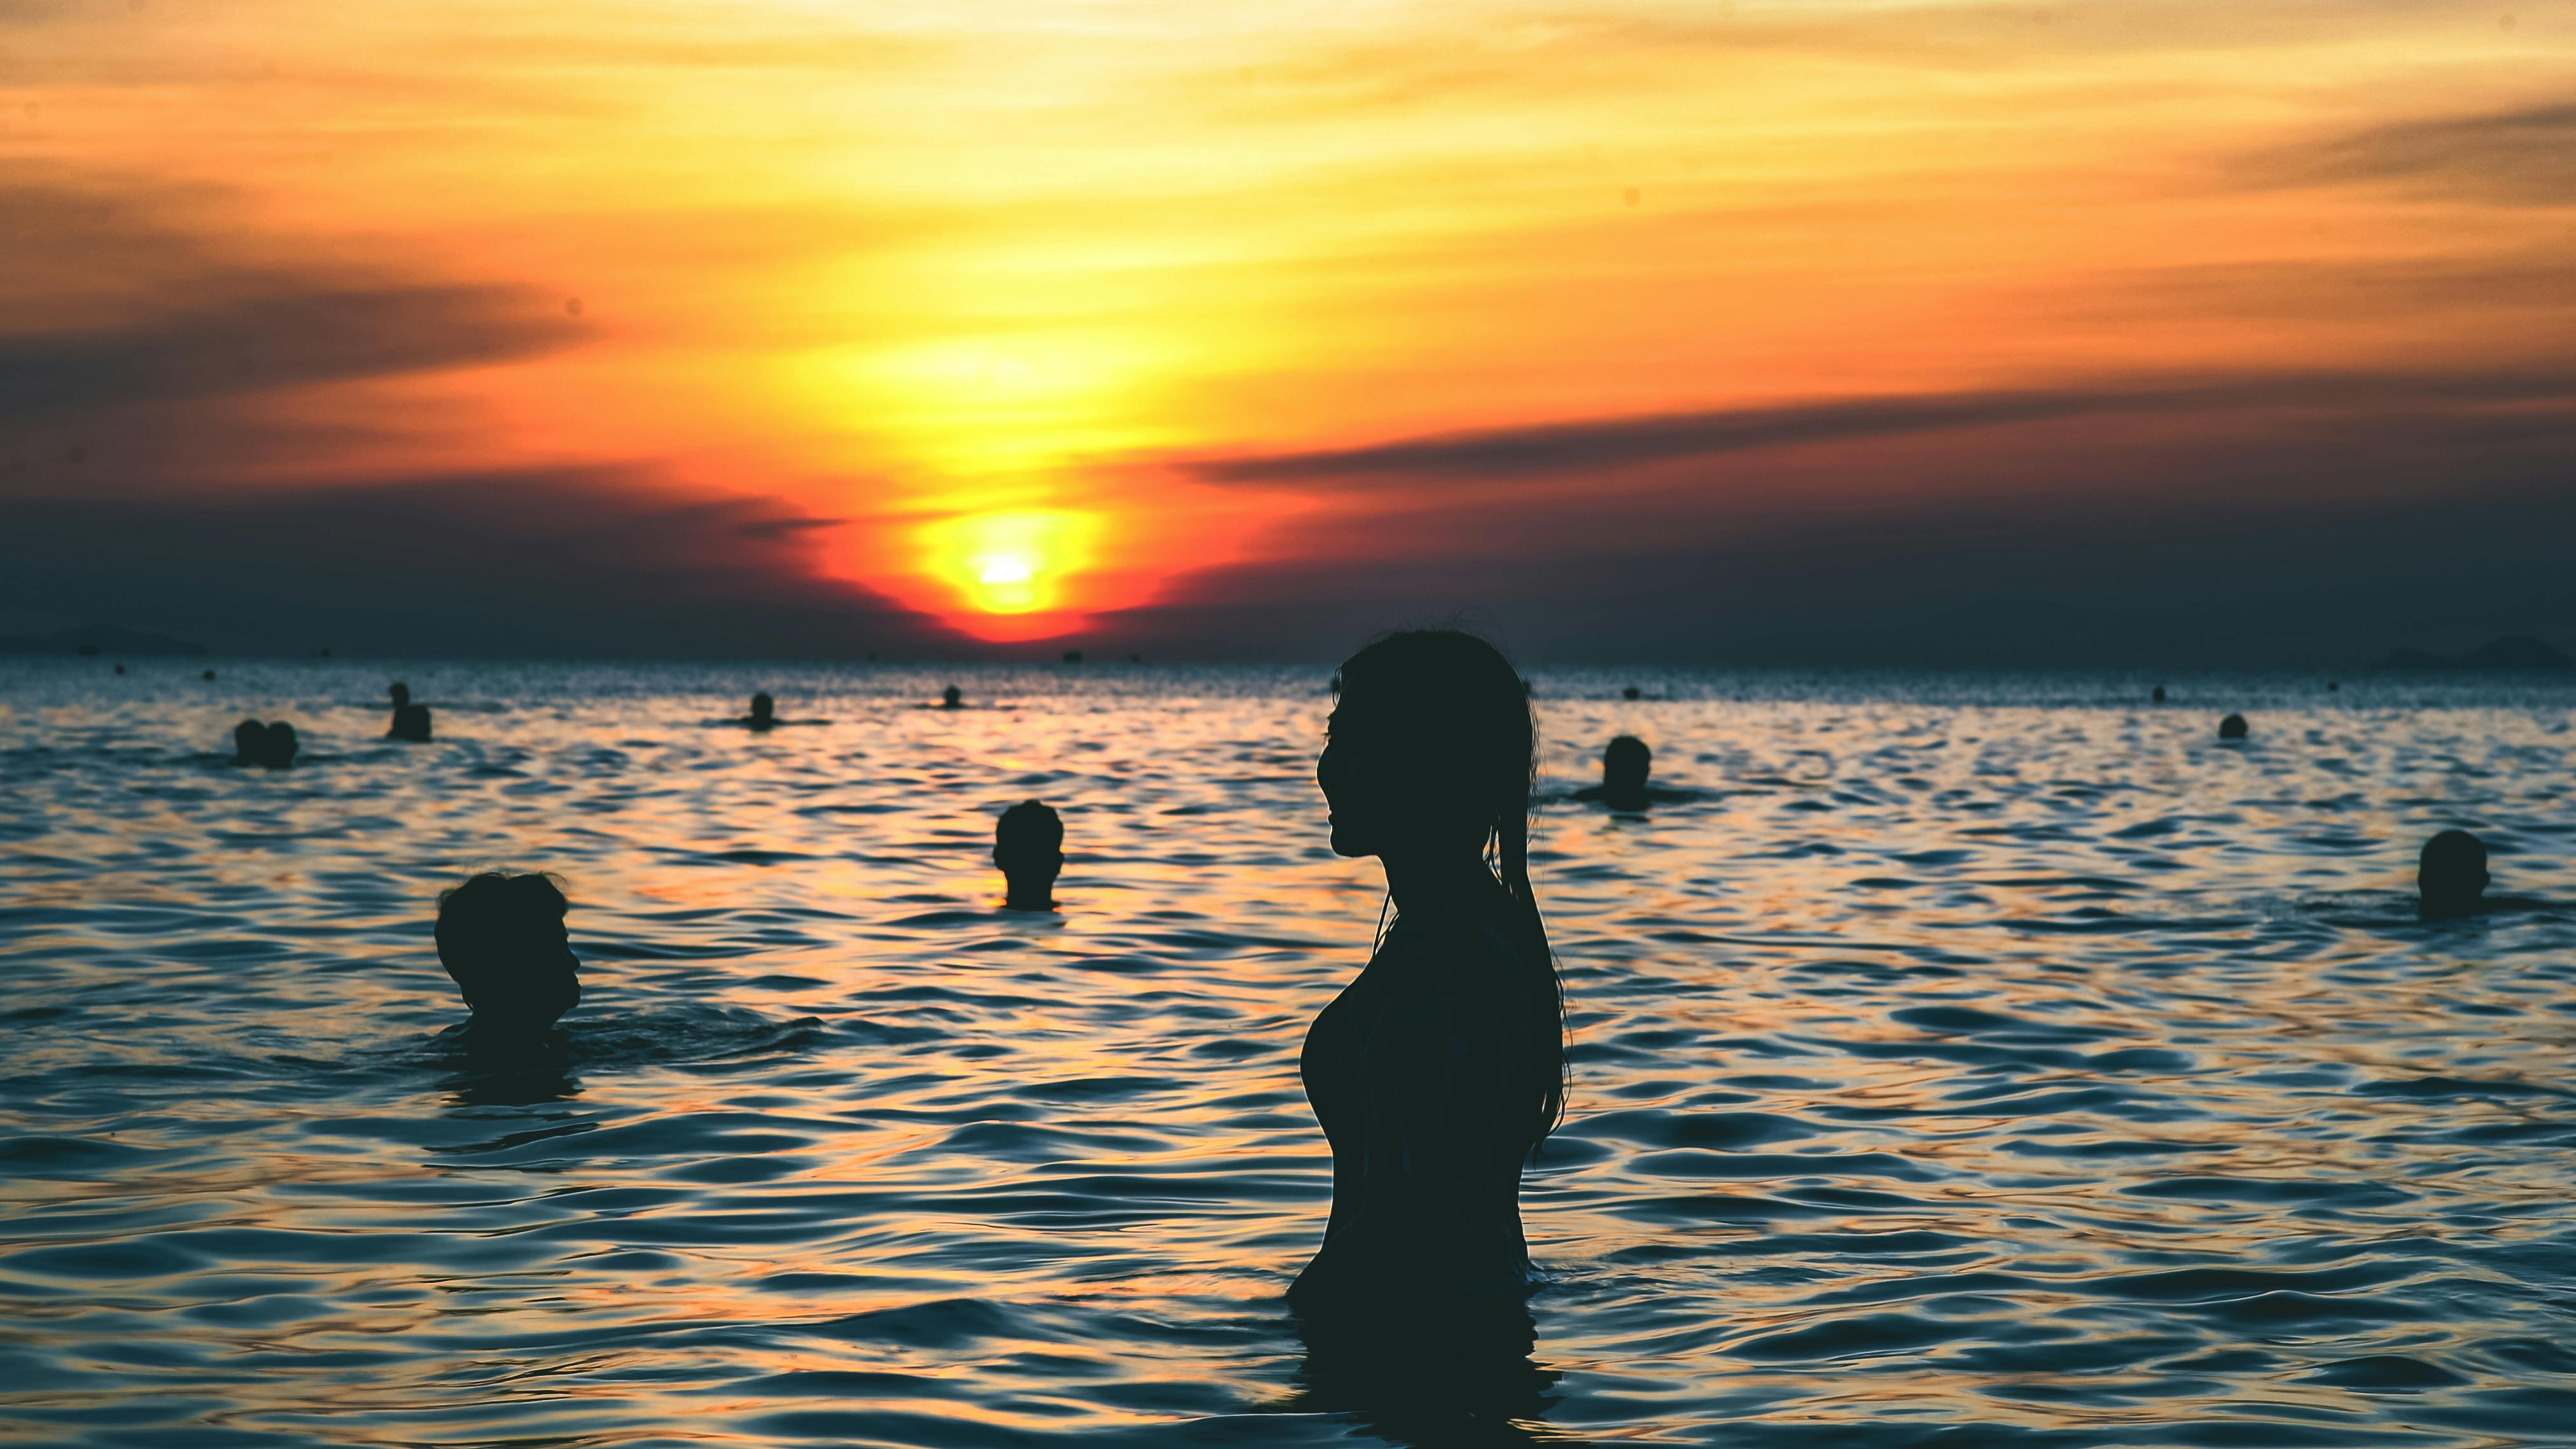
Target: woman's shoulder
[[1467, 935], [1459, 959]]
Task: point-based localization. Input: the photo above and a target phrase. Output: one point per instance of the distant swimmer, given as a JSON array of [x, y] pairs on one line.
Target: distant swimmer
[[2159, 695], [411, 721], [2451, 875], [272, 745], [501, 937], [1625, 763], [277, 746], [2232, 727], [1028, 845], [952, 698], [1631, 692], [763, 718]]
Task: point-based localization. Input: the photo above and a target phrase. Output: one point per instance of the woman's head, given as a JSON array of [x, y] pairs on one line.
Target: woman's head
[[1430, 747]]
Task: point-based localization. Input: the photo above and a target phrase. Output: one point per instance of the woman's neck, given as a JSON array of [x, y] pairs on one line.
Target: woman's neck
[[1422, 882]]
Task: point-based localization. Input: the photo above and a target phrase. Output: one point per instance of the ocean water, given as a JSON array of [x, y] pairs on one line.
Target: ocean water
[[1968, 1061]]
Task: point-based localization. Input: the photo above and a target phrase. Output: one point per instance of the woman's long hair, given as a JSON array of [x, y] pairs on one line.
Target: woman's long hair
[[1452, 715]]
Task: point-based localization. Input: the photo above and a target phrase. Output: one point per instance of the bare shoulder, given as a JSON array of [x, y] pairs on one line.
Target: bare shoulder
[[1467, 964]]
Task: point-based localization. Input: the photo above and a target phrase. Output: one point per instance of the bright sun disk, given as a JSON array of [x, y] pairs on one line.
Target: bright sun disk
[[1009, 563], [1009, 568]]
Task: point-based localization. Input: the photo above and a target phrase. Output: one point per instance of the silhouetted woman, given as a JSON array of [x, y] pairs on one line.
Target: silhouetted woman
[[1435, 1074]]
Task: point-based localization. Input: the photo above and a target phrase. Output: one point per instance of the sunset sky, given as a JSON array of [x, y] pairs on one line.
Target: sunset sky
[[2223, 331]]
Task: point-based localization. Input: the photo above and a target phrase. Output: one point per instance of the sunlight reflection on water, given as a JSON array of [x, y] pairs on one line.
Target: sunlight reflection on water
[[1970, 1061]]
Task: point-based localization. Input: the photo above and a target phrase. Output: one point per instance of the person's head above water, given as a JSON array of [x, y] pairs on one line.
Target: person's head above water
[[411, 721], [951, 697], [1625, 762], [2451, 874], [501, 937], [764, 711], [277, 745], [1429, 751], [248, 737], [2232, 727], [1028, 845]]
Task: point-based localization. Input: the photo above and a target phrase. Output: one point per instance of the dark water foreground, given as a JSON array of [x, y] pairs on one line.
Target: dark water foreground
[[1975, 1062]]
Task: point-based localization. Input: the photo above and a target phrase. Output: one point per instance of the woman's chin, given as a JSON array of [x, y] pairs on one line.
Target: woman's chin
[[1348, 844]]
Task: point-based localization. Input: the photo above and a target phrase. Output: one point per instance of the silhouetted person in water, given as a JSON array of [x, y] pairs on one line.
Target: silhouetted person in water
[[501, 937], [2160, 694], [1029, 847], [952, 697], [2232, 727], [2451, 875], [1438, 1071], [411, 721], [764, 713], [277, 745], [1624, 765], [272, 745], [1631, 692]]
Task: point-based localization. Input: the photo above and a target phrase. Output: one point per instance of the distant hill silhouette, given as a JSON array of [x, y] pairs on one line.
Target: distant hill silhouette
[[2513, 652], [101, 639]]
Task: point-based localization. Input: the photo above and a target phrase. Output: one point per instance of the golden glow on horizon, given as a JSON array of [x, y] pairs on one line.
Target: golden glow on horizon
[[968, 279], [1010, 564]]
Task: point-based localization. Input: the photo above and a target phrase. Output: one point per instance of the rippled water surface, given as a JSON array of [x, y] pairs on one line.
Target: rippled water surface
[[1967, 1062]]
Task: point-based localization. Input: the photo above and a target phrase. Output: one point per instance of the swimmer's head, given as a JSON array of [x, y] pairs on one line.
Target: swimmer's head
[[763, 709], [1028, 845], [2451, 874], [951, 696], [1625, 763], [277, 746], [248, 736], [2232, 727], [401, 694], [501, 937]]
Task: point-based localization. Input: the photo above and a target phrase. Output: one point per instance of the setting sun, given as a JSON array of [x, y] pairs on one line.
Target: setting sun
[[1010, 565]]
